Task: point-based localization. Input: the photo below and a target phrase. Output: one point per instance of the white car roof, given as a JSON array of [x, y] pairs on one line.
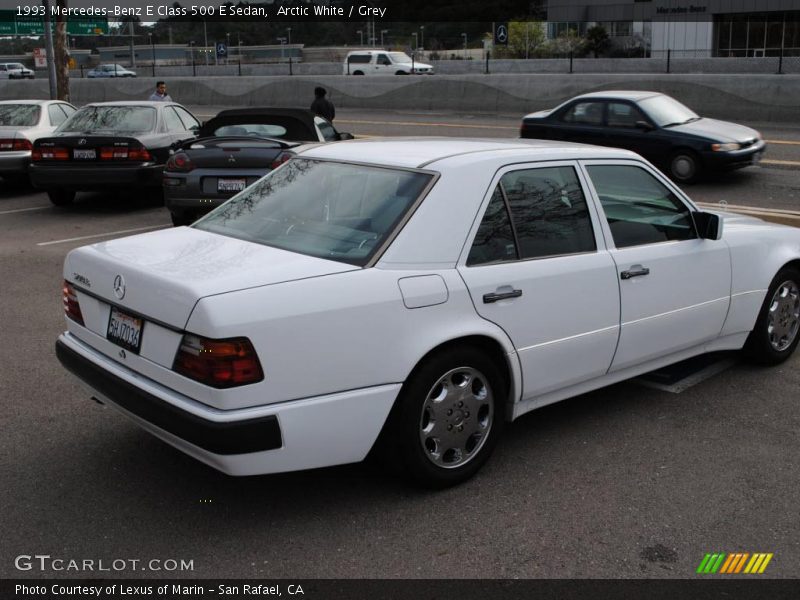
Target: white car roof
[[420, 152], [37, 102]]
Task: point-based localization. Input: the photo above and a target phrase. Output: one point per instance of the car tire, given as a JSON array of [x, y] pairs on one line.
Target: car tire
[[358, 72], [684, 166], [447, 418], [61, 197], [401, 73], [775, 335]]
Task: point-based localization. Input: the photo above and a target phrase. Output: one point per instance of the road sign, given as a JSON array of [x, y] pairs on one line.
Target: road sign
[[222, 50], [501, 34], [11, 24]]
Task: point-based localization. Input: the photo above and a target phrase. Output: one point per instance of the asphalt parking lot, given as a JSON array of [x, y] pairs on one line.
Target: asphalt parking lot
[[630, 481]]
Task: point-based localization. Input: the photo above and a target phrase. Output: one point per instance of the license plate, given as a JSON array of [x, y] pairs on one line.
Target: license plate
[[84, 154], [231, 185], [125, 330]]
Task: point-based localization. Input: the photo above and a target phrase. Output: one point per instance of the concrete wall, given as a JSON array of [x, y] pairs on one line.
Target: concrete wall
[[735, 97]]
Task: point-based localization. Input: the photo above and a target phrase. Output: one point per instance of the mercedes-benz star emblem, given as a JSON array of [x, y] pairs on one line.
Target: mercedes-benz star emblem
[[119, 287]]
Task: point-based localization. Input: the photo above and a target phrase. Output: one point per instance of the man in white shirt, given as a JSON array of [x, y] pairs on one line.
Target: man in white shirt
[[160, 95]]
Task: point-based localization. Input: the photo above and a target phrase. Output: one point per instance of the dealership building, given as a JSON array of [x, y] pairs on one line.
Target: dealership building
[[687, 28]]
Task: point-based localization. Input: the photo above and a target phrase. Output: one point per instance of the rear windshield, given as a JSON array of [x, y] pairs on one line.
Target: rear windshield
[[331, 210], [21, 115], [252, 129], [96, 119]]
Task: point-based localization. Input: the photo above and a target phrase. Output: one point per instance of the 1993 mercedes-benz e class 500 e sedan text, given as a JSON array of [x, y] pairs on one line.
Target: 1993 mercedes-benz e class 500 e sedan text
[[412, 295]]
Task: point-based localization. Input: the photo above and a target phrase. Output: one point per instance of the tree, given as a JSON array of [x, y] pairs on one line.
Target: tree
[[596, 40], [61, 51], [525, 37]]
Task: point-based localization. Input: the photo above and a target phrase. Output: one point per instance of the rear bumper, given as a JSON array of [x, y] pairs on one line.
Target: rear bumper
[[95, 177], [303, 434], [14, 162]]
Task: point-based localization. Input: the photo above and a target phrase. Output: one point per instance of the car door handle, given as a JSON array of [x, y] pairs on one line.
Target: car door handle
[[494, 297], [635, 271]]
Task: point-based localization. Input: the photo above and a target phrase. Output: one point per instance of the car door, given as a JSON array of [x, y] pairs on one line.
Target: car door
[[3, 72], [383, 64], [674, 286], [536, 266], [581, 122], [628, 127]]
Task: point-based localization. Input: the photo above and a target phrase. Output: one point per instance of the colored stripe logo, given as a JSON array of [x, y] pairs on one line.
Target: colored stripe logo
[[734, 563]]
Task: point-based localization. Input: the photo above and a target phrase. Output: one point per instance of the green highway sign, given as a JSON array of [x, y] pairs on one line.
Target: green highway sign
[[11, 24]]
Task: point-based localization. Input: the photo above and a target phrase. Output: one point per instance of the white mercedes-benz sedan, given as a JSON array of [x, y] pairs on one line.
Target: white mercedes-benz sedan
[[412, 295]]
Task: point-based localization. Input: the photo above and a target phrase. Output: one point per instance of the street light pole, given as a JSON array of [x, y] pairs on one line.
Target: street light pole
[[416, 45], [51, 56], [289, 35], [153, 49], [464, 35], [191, 47], [360, 37], [382, 32], [205, 40], [422, 37]]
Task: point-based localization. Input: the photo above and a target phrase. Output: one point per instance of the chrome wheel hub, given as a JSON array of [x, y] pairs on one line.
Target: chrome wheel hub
[[683, 166], [456, 417], [783, 318]]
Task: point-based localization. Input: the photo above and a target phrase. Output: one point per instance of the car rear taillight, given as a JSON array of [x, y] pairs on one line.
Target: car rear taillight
[[218, 363], [280, 159], [124, 153], [15, 145], [180, 163], [50, 154], [71, 306]]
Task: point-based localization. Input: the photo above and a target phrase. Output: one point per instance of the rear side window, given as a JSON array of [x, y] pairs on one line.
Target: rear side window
[[359, 58], [534, 213], [172, 120], [639, 208], [57, 116]]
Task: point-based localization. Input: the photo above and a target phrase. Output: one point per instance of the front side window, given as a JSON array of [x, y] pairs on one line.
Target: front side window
[[585, 113], [337, 211], [534, 213], [623, 114], [639, 208], [383, 60], [172, 120]]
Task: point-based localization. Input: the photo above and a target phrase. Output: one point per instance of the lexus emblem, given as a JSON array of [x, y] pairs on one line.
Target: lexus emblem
[[119, 287], [82, 142]]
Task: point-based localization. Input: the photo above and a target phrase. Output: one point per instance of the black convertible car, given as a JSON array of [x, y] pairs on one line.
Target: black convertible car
[[234, 150], [658, 127], [110, 145]]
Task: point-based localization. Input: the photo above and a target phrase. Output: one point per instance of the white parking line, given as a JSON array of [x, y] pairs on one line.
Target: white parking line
[[19, 210], [96, 235]]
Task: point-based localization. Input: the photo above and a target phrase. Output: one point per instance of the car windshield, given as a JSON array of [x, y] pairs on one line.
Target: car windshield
[[666, 111], [16, 66], [92, 119], [21, 115], [400, 57], [331, 210]]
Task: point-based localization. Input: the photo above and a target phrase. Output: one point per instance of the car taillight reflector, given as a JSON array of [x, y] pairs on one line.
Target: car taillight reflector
[[180, 163], [218, 363], [50, 154], [124, 153], [280, 159], [15, 145], [71, 306]]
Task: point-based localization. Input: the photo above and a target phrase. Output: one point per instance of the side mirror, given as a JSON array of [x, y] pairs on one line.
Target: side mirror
[[346, 136], [709, 225], [644, 125], [195, 129]]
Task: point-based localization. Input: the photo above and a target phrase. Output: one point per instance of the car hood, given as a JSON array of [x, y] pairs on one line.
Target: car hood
[[166, 272], [721, 131]]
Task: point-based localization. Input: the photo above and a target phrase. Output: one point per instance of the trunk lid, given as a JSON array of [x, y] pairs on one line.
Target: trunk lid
[[233, 153], [166, 272]]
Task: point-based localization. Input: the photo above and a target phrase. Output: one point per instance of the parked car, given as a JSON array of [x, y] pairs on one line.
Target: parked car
[[664, 131], [412, 295], [110, 145], [379, 62], [234, 150], [15, 71], [110, 71], [22, 122]]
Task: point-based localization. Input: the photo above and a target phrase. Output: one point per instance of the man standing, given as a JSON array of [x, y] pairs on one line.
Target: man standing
[[160, 95], [321, 105]]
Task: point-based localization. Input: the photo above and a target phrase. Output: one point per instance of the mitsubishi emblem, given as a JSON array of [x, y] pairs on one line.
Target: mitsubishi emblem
[[119, 287], [231, 159], [122, 354]]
